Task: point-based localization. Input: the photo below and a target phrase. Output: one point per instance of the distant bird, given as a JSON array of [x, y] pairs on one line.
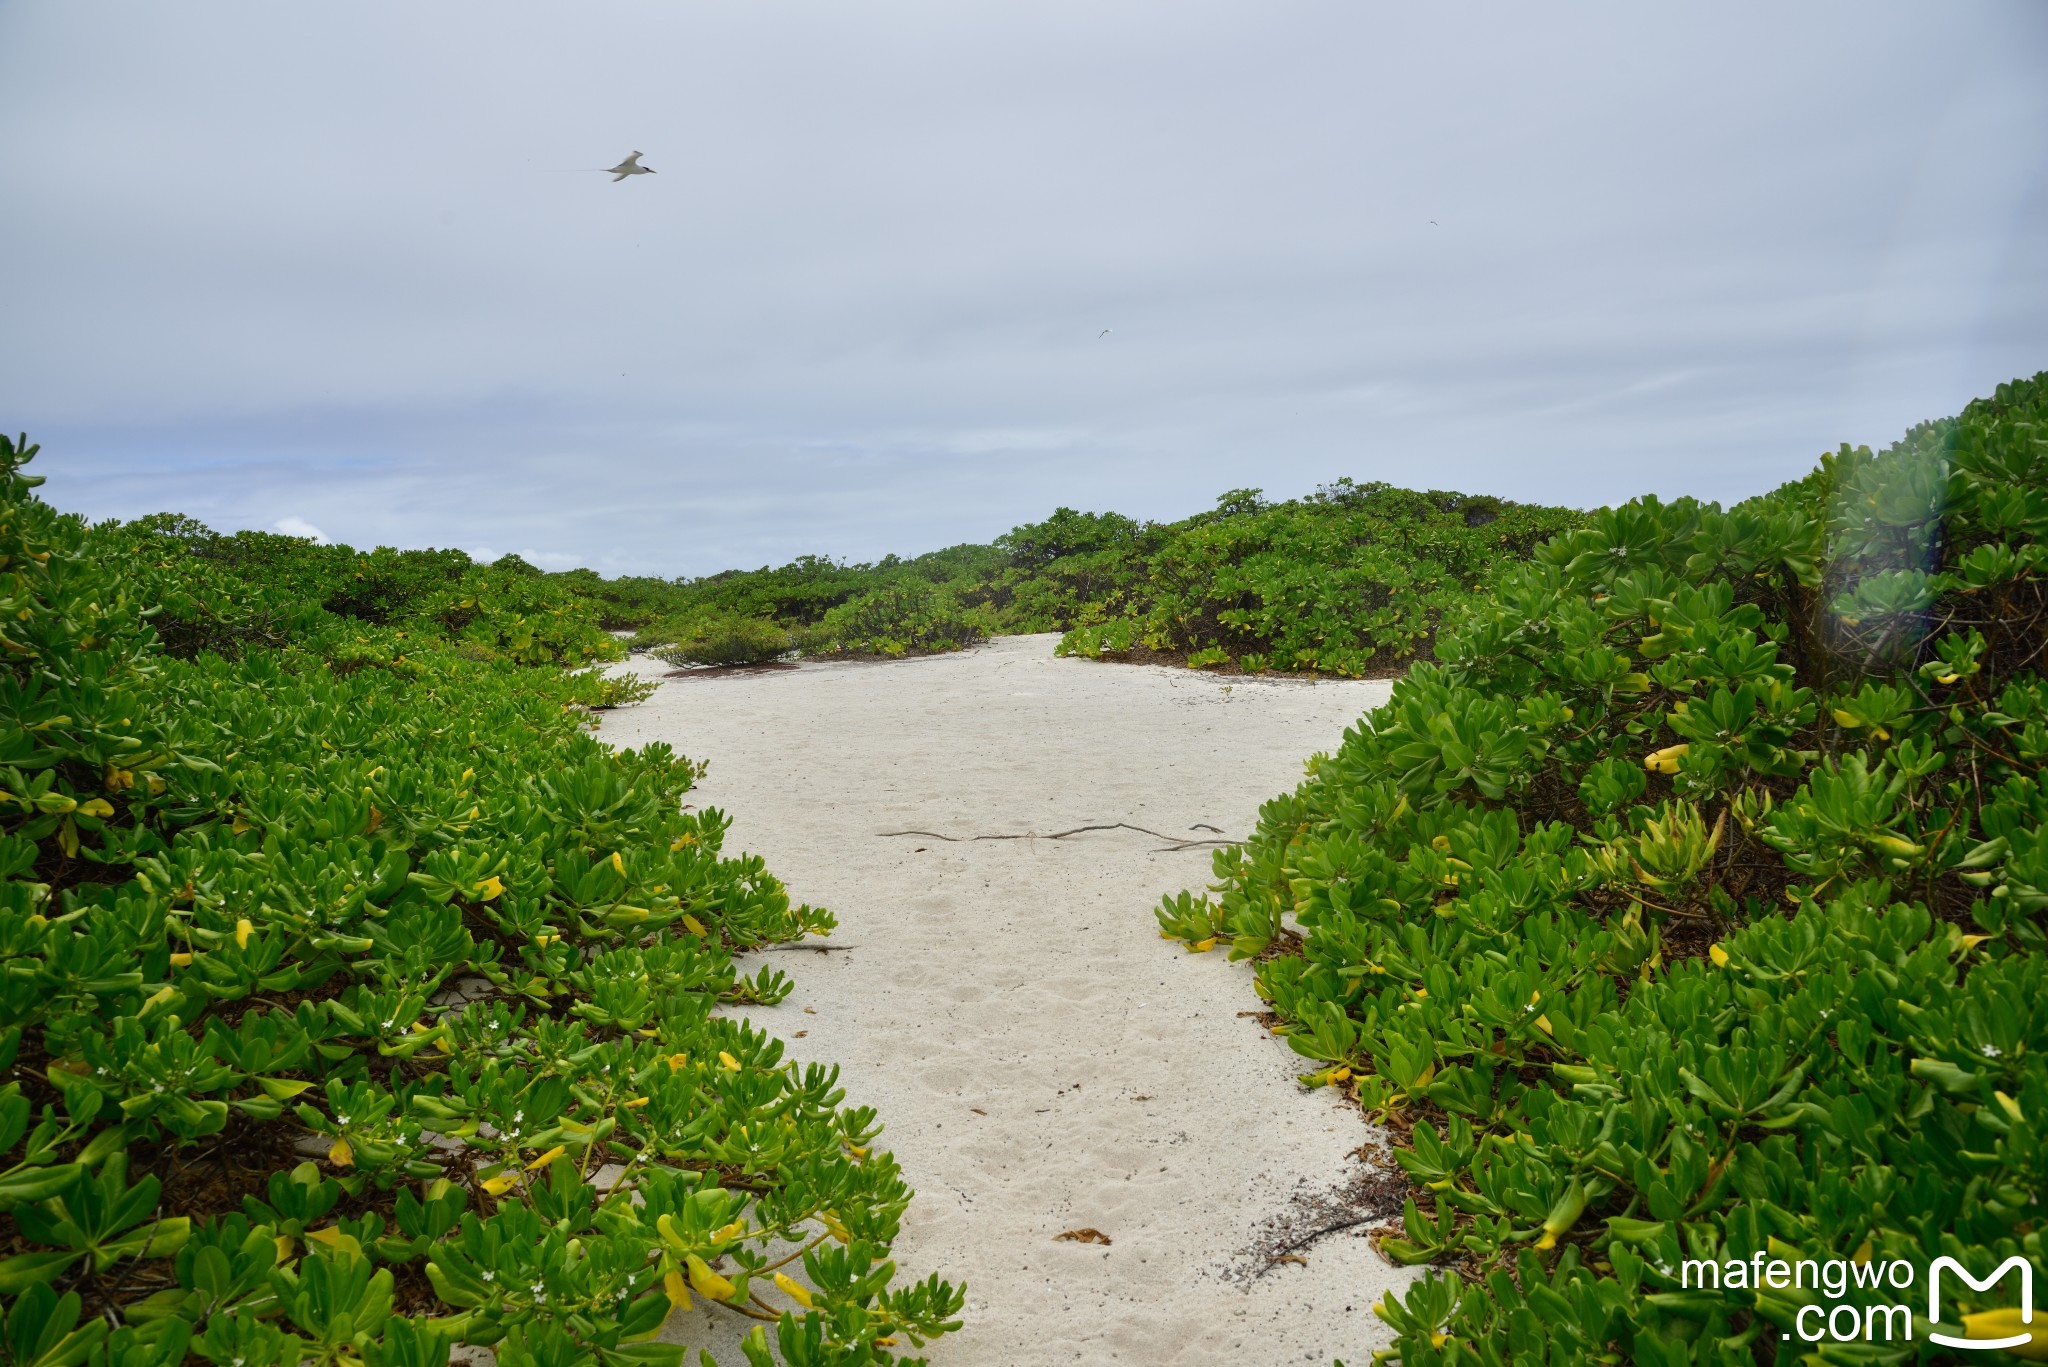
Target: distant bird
[[629, 167], [1104, 333], [1434, 224]]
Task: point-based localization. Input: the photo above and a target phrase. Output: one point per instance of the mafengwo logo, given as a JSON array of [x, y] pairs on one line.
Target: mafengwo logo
[[1854, 1318], [1991, 1328]]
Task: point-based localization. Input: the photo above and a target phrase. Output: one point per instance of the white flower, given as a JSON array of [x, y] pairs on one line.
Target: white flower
[[1992, 1051], [489, 1275]]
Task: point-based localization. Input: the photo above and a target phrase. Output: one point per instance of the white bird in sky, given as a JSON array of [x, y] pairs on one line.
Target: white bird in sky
[[629, 167]]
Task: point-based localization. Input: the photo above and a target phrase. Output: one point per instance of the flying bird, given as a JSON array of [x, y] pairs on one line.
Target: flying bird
[[1104, 333], [629, 167]]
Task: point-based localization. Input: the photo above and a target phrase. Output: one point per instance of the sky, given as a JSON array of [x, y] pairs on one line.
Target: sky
[[354, 271]]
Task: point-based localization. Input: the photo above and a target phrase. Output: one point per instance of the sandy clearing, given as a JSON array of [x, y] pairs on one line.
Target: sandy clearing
[[1026, 978]]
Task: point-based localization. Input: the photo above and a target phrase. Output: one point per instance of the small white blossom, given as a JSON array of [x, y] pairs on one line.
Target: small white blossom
[[489, 1275], [1992, 1051]]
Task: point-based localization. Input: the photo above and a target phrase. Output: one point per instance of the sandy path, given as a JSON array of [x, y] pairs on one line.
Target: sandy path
[[1026, 979]]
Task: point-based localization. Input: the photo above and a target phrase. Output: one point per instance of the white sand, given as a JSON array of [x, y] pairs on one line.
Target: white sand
[[1123, 1091]]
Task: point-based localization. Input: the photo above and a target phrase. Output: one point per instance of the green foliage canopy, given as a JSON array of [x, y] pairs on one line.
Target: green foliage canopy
[[355, 1003], [1689, 905]]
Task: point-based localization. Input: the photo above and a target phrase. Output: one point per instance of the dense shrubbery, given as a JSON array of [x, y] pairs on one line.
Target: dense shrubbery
[[1688, 907], [718, 639], [356, 1003], [1353, 577], [225, 593]]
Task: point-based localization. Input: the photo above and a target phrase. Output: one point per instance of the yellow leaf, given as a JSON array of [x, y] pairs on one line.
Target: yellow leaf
[[729, 1061], [341, 1155], [707, 1282], [1440, 843], [794, 1289], [678, 1290], [1718, 955], [333, 1238], [181, 961], [1863, 1252], [240, 825], [1543, 1024], [243, 930], [682, 840], [2007, 1324], [441, 1043], [550, 1156], [634, 1104], [732, 1231], [1340, 1073], [284, 1247], [2010, 1107], [618, 863], [543, 941], [97, 806], [491, 887], [1665, 761], [692, 924], [502, 1183], [1203, 946], [834, 1227], [886, 1341], [1948, 678]]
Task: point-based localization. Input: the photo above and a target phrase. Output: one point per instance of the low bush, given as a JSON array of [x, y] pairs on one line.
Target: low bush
[[1688, 907], [725, 640], [356, 1004], [1348, 581], [910, 618]]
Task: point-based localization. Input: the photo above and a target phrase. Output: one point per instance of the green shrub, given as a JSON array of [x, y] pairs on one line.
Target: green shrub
[[1689, 906], [356, 1004], [1350, 579], [722, 640], [900, 619]]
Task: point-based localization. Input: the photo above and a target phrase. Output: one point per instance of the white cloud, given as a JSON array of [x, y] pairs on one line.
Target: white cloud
[[298, 526]]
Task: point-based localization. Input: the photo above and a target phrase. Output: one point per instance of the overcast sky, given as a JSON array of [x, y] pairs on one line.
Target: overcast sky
[[354, 268]]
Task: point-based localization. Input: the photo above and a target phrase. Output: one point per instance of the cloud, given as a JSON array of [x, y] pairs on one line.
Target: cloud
[[859, 309], [298, 526]]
